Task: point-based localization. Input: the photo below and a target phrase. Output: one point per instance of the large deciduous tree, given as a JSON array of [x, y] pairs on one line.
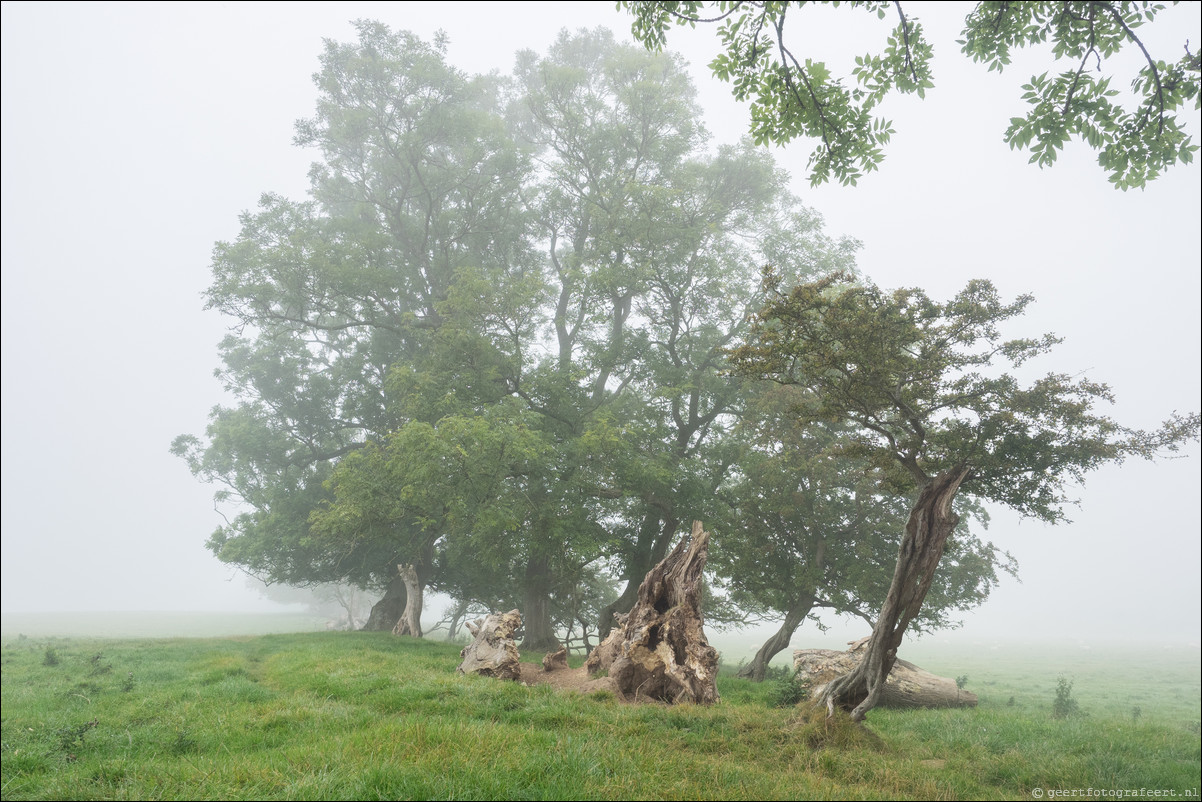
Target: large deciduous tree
[[417, 179], [490, 345], [795, 96], [918, 381]]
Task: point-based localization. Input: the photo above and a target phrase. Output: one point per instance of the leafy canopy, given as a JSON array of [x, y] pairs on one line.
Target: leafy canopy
[[917, 380], [794, 96]]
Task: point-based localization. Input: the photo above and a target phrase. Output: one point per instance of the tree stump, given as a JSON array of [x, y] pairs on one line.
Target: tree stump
[[660, 651], [907, 685], [601, 658], [554, 661], [493, 653]]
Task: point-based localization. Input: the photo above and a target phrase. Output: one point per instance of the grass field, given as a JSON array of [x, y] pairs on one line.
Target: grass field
[[368, 716]]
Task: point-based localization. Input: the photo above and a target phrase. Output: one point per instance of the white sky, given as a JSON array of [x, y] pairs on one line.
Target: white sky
[[134, 134]]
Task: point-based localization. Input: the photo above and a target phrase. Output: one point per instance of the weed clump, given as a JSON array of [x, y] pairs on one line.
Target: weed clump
[[71, 738], [817, 730], [1064, 704], [788, 690], [50, 658]]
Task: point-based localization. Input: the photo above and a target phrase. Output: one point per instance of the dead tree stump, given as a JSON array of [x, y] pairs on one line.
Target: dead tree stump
[[602, 657], [554, 661], [493, 653], [660, 651], [907, 685]]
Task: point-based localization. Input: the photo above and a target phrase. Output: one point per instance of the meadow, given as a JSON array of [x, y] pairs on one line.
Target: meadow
[[347, 715]]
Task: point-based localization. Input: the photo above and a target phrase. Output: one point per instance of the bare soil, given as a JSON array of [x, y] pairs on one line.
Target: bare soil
[[567, 679]]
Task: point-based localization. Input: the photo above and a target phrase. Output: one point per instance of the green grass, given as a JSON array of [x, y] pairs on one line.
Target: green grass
[[369, 716]]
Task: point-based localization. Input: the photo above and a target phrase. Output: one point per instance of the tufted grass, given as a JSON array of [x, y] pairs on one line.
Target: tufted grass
[[368, 716]]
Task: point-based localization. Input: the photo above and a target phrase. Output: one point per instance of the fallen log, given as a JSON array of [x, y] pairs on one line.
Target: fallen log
[[493, 653], [907, 685]]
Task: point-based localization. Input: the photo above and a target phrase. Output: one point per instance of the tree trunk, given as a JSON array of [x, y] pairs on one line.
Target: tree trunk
[[907, 686], [493, 652], [410, 621], [663, 652], [931, 521], [649, 549], [388, 610], [757, 669], [536, 611]]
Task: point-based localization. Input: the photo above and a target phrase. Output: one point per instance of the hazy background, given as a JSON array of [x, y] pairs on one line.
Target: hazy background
[[134, 134]]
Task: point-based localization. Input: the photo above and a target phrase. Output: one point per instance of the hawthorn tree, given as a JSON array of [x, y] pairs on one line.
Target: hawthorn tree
[[793, 96], [808, 533], [917, 381]]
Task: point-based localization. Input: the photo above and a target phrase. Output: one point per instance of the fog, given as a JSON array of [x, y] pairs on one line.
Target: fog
[[134, 135]]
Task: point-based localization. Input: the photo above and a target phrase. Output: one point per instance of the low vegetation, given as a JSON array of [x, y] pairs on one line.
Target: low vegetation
[[370, 716]]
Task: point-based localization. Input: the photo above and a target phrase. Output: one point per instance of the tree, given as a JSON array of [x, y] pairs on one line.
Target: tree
[[932, 416], [490, 344], [794, 96], [417, 179], [808, 533]]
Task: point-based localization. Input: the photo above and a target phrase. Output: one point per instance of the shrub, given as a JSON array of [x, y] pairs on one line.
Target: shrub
[[788, 691], [1064, 705]]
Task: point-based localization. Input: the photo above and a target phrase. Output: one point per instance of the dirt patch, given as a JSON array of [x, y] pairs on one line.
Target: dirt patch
[[567, 679]]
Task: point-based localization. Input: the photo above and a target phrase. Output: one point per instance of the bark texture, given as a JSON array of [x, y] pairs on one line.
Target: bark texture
[[662, 652], [388, 610], [651, 544], [907, 685], [601, 658], [410, 621], [493, 653], [931, 521], [539, 634]]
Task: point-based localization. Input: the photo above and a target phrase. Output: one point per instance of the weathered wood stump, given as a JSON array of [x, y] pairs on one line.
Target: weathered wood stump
[[554, 661], [602, 657], [660, 651], [493, 653], [906, 686]]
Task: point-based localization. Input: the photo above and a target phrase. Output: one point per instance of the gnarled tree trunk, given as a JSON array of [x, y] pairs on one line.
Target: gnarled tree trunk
[[663, 653], [539, 632], [654, 537], [388, 610], [410, 621], [931, 521], [757, 669]]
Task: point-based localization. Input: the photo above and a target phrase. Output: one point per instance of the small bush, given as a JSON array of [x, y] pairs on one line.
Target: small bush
[[961, 681], [1064, 705], [98, 668], [50, 658], [788, 691], [71, 738]]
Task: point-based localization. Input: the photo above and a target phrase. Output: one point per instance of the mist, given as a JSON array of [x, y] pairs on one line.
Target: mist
[[134, 135]]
